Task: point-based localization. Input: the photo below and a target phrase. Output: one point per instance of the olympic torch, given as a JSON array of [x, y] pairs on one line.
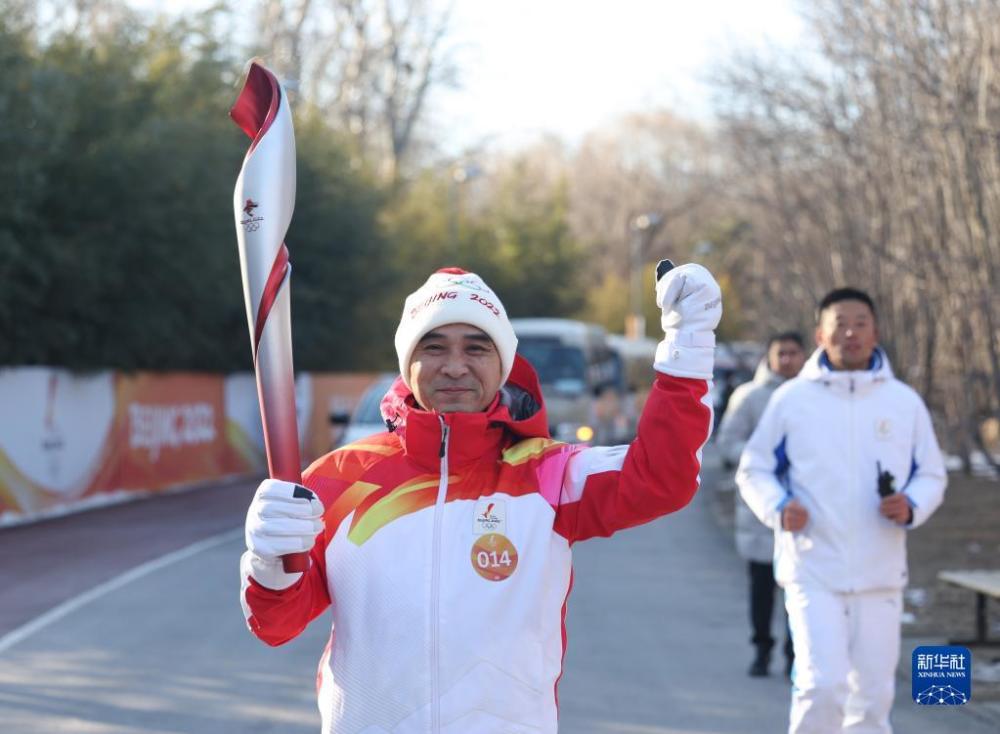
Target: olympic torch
[[262, 204]]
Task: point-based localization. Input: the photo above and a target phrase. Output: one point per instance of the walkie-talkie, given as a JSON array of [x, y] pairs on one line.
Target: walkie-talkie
[[662, 268], [886, 481]]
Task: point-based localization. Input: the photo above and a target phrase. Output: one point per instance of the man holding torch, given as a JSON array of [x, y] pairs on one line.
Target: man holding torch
[[442, 546]]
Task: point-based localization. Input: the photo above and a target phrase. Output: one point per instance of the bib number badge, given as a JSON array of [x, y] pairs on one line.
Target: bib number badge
[[494, 557]]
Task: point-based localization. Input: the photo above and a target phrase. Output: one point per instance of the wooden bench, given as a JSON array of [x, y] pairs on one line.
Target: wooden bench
[[984, 583]]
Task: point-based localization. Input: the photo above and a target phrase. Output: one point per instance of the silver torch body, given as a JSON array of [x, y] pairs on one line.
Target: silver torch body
[[263, 202]]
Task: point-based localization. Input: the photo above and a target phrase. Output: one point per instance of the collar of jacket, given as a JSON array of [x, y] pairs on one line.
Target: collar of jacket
[[818, 369], [472, 436]]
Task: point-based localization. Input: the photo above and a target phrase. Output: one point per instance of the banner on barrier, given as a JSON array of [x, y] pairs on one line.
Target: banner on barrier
[[332, 396], [172, 430], [67, 438], [54, 435]]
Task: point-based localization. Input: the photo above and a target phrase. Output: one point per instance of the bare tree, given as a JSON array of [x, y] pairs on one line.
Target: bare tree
[[879, 165], [281, 28], [369, 64], [653, 162]]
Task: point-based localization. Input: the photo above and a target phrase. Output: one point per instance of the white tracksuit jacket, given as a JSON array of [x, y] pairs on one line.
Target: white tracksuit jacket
[[821, 440]]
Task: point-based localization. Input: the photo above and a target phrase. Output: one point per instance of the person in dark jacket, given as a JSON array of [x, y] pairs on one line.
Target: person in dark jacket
[[754, 540]]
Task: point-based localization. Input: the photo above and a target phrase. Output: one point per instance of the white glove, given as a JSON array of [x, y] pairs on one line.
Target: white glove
[[283, 518], [692, 306]]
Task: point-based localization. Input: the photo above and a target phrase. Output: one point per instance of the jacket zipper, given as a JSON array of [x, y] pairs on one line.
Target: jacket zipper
[[852, 432], [436, 583]]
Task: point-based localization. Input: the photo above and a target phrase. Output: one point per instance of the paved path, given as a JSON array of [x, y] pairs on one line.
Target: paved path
[[656, 629], [48, 562], [166, 653]]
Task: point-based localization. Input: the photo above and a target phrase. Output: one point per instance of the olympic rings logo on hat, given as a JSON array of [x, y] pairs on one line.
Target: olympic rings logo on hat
[[474, 284]]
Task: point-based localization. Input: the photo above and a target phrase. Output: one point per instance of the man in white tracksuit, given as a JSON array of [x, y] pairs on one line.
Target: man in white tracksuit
[[819, 468], [755, 541]]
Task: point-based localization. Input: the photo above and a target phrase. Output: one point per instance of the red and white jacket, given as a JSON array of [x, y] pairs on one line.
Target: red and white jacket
[[446, 556]]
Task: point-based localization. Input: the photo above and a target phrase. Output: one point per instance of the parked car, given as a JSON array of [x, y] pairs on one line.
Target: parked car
[[367, 417]]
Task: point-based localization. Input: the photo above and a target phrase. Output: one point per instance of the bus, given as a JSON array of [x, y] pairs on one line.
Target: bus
[[582, 377]]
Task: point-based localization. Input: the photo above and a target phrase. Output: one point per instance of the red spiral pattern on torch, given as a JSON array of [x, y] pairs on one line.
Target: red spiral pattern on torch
[[254, 112], [257, 105], [279, 271]]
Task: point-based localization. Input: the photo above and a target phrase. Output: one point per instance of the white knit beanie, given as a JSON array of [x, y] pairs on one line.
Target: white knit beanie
[[454, 296]]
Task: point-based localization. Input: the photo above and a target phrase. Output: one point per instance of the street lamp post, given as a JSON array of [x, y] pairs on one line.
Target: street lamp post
[[641, 230], [460, 173]]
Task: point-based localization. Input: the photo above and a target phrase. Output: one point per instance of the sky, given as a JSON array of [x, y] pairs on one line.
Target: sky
[[570, 66], [566, 67]]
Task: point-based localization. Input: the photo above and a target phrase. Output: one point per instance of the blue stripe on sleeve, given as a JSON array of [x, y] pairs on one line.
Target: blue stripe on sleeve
[[914, 466], [782, 465], [781, 458]]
